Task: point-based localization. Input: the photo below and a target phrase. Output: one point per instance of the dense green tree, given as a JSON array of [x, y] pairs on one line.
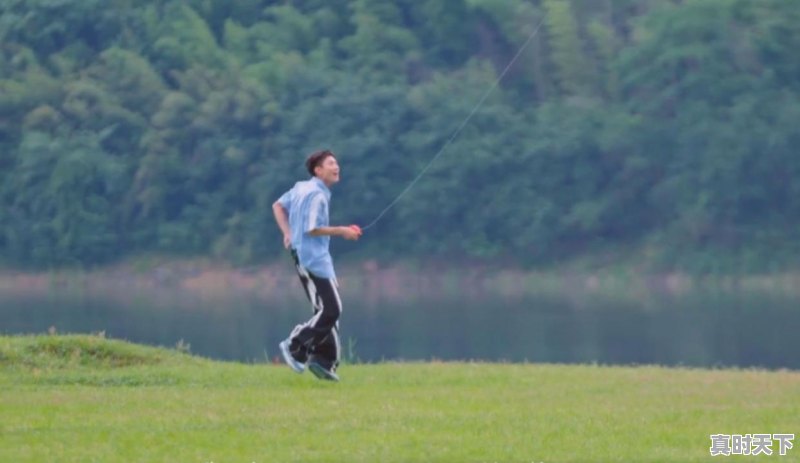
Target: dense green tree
[[167, 126], [380, 42], [573, 66], [60, 203]]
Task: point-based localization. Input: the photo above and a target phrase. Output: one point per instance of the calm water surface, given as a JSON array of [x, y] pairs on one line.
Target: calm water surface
[[698, 328]]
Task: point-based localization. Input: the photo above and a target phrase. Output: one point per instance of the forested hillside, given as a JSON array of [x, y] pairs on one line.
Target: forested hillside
[[170, 127]]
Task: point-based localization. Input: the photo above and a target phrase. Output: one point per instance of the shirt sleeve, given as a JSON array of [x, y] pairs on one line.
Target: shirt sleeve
[[317, 213], [286, 200]]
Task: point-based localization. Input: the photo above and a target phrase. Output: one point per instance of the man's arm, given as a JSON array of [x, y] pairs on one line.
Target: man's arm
[[283, 223], [347, 233]]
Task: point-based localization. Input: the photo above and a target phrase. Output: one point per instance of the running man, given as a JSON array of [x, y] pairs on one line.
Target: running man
[[302, 215]]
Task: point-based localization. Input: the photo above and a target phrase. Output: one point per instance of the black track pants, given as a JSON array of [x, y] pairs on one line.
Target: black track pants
[[318, 339]]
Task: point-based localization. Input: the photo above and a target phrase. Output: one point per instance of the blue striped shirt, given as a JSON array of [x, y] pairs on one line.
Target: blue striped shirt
[[307, 205]]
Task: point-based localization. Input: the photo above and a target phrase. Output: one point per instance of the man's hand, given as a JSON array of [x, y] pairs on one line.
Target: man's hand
[[352, 233], [287, 241]]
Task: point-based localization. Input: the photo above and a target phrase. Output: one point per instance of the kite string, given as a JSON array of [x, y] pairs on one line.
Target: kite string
[[460, 127]]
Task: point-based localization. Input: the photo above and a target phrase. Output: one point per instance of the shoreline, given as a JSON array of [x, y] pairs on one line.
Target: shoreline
[[214, 279]]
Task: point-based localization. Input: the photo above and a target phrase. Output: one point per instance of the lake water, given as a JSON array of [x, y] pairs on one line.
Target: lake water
[[449, 321]]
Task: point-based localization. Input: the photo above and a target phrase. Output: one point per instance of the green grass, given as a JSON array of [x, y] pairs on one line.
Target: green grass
[[87, 399]]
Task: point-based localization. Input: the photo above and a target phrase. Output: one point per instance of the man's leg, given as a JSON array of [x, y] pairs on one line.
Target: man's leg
[[319, 337], [328, 352], [324, 356], [297, 350]]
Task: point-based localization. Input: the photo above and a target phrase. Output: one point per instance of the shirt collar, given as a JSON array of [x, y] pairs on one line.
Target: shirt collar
[[322, 186]]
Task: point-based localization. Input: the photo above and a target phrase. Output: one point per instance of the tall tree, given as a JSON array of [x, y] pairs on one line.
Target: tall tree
[[573, 67]]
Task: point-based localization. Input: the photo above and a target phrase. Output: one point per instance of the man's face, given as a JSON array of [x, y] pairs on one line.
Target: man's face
[[328, 171]]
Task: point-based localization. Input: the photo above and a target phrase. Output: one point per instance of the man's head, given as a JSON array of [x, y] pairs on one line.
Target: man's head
[[323, 165]]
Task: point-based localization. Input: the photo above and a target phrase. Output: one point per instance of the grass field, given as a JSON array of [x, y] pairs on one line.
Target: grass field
[[89, 399]]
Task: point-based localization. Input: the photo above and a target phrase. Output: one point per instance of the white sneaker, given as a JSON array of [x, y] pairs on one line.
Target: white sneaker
[[322, 372], [287, 357]]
